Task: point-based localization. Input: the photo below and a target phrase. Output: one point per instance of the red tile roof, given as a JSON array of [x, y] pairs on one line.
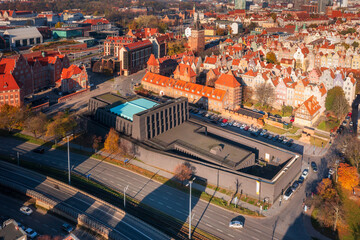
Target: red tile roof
[[70, 71], [312, 105], [97, 21], [152, 61], [136, 45], [227, 80], [7, 82]]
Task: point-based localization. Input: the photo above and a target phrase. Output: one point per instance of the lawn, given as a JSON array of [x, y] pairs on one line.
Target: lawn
[[328, 124], [318, 142], [277, 130], [352, 217]]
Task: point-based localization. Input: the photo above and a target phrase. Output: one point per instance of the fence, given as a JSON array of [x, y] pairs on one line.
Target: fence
[[71, 95]]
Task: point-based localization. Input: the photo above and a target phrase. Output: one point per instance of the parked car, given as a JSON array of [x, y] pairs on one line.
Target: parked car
[[246, 128], [351, 124], [288, 193], [292, 119], [26, 210], [344, 123], [236, 224], [305, 173], [225, 120], [285, 141], [31, 233], [67, 227], [231, 123], [263, 132], [21, 225], [266, 135], [301, 180], [290, 142], [314, 166], [295, 185], [275, 138], [270, 136], [281, 138], [261, 112], [277, 116], [39, 150], [223, 124], [242, 126]]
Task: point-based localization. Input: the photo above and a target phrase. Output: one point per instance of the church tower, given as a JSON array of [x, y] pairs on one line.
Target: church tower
[[197, 38]]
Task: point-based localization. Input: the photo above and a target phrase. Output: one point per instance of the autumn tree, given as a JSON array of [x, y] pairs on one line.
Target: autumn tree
[[36, 124], [175, 47], [61, 125], [247, 93], [58, 25], [347, 176], [183, 172], [11, 117], [355, 44], [265, 94], [329, 203], [96, 142], [271, 58], [111, 144]]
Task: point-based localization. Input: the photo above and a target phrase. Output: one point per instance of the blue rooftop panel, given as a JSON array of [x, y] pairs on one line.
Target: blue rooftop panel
[[128, 109]]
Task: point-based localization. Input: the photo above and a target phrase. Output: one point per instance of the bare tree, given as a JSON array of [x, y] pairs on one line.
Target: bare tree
[[340, 106], [183, 172], [352, 152], [36, 124], [96, 142], [265, 94]]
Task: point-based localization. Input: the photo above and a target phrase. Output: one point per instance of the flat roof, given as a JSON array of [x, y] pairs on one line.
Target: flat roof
[[110, 98], [190, 134], [129, 109]]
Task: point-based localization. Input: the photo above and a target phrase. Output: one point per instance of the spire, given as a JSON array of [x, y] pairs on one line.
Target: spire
[[296, 28], [304, 26]]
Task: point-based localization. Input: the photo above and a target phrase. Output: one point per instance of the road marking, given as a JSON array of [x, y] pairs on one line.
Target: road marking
[[160, 203], [54, 229], [219, 230], [151, 199], [179, 211], [111, 181], [206, 216], [169, 207], [105, 179], [208, 225], [231, 235], [178, 204], [222, 223], [257, 230], [255, 238]]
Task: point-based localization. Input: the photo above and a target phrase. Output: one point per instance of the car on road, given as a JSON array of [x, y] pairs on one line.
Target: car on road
[[314, 166], [270, 136], [344, 123], [246, 128], [26, 210], [305, 173], [277, 116], [236, 224], [351, 124], [266, 135], [223, 124], [20, 225], [67, 227], [290, 142], [31, 233], [281, 138], [288, 193], [39, 150]]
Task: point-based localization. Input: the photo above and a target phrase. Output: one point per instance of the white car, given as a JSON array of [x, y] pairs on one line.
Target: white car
[[223, 124], [26, 210], [305, 173], [236, 224], [242, 126], [31, 233]]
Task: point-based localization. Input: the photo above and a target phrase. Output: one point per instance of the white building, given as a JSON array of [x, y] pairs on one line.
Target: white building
[[27, 36]]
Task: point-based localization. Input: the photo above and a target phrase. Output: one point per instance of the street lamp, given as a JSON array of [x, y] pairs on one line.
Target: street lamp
[[125, 188], [68, 153], [189, 184]]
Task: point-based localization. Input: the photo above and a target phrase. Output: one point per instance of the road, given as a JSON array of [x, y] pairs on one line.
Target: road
[[287, 224], [128, 226]]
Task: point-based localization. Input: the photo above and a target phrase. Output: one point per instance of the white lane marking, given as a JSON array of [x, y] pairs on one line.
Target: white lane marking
[[222, 223], [206, 216], [255, 238], [178, 203], [161, 203], [105, 179], [219, 230], [231, 235], [208, 225], [169, 207], [257, 230], [178, 211], [151, 199], [111, 181]]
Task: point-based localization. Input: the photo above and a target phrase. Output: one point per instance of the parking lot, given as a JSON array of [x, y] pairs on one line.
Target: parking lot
[[40, 221], [248, 130]]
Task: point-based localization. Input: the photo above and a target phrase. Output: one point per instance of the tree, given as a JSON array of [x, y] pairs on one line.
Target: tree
[[273, 16], [355, 44], [252, 26], [220, 32], [61, 125], [36, 124], [247, 93], [271, 58], [175, 47], [111, 144], [336, 102], [352, 152], [96, 142], [11, 117], [58, 25], [183, 172], [348, 176], [265, 94]]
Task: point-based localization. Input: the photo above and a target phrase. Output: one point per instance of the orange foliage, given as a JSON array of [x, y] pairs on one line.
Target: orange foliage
[[348, 176]]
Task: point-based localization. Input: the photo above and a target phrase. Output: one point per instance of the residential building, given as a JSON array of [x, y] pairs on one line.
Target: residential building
[[308, 112], [185, 72], [233, 88], [112, 45], [240, 4], [10, 92]]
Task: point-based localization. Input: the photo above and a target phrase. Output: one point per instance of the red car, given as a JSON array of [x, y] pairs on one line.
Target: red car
[[224, 120], [292, 119], [246, 128], [349, 114]]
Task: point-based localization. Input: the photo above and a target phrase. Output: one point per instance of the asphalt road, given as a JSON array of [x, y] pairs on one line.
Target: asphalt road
[[128, 226], [287, 224]]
